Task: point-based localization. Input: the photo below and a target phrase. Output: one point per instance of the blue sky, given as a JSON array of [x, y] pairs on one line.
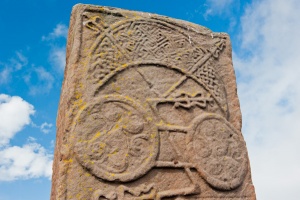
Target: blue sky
[[265, 39]]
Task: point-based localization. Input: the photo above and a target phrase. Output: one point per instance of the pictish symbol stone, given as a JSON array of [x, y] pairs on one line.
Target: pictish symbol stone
[[151, 110]]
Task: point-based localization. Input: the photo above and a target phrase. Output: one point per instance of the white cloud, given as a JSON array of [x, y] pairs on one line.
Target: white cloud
[[46, 127], [29, 161], [59, 31], [58, 58], [14, 115], [20, 162], [43, 84], [268, 73]]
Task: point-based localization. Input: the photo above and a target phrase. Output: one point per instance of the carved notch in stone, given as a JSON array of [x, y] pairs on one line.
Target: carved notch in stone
[[148, 110]]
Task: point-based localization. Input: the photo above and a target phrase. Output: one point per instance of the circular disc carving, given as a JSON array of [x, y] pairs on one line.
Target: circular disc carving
[[219, 151], [115, 139]]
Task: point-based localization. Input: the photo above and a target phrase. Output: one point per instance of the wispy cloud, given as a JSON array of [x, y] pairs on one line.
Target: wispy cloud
[[46, 127], [57, 53], [57, 58], [52, 144], [40, 85], [59, 31], [225, 9], [216, 7], [268, 73], [20, 61], [12, 65], [14, 115], [5, 75]]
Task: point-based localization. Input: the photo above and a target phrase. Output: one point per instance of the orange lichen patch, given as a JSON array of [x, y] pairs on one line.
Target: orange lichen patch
[[100, 82], [78, 196], [153, 135], [78, 95], [117, 89], [98, 134], [69, 160], [124, 65], [102, 145], [82, 106], [87, 174], [79, 103], [113, 153], [149, 119], [110, 174], [160, 123]]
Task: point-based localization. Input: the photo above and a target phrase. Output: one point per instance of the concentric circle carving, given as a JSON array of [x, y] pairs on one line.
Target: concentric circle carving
[[219, 151], [115, 139]]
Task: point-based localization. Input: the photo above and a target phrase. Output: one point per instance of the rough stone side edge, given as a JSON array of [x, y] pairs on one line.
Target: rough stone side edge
[[58, 190], [235, 116], [228, 75]]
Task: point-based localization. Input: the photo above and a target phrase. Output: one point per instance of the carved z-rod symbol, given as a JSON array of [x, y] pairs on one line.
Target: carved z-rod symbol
[[185, 100]]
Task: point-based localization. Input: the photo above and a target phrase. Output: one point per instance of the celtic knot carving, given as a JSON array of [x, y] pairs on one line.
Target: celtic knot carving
[[149, 40], [206, 73]]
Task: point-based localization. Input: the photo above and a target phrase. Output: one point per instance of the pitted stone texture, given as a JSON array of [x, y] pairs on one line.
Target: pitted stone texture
[[148, 110]]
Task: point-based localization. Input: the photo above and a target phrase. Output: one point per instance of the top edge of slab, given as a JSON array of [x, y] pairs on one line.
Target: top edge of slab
[[79, 8]]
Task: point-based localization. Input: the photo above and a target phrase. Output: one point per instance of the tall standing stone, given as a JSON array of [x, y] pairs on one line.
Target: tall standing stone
[[148, 110]]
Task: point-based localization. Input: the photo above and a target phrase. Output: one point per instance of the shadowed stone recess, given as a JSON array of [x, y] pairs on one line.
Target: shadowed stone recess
[[148, 110]]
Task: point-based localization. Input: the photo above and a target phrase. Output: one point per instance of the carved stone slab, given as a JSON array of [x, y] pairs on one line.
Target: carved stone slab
[[148, 110]]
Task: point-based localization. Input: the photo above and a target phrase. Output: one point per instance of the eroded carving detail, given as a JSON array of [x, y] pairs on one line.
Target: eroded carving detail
[[139, 193], [186, 100], [142, 192], [124, 144], [220, 154], [151, 40], [207, 75], [121, 144]]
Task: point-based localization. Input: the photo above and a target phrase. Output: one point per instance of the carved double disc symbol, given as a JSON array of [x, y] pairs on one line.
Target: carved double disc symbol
[[115, 138], [219, 151]]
